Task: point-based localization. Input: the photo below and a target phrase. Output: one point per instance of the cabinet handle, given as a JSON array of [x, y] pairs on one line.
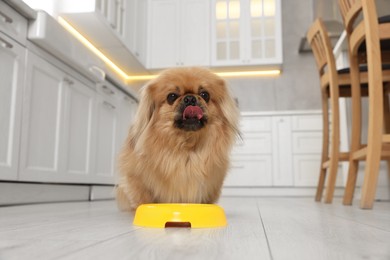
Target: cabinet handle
[[107, 90], [7, 19], [109, 105], [69, 81], [238, 166], [6, 44]]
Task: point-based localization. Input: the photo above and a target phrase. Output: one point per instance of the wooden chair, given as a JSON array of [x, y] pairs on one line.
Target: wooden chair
[[334, 84], [368, 31]]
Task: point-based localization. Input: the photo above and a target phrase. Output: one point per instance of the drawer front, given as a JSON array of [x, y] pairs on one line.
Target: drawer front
[[307, 123], [253, 143], [108, 90], [255, 124], [252, 171], [13, 24], [307, 142]]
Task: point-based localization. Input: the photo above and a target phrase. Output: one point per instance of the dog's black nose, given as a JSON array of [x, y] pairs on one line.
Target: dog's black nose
[[190, 100]]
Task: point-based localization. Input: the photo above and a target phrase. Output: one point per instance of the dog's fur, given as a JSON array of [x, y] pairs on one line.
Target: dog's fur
[[163, 162]]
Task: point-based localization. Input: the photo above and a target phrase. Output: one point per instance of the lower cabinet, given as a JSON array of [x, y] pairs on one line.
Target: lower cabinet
[[277, 150], [70, 129], [106, 135], [78, 143], [12, 59], [43, 121]]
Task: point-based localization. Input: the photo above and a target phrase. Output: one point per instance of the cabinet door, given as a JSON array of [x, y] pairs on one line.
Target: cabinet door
[[135, 28], [227, 32], [250, 171], [164, 34], [127, 109], [42, 121], [12, 57], [282, 157], [105, 140], [263, 32], [141, 31], [77, 159], [246, 32], [195, 33]]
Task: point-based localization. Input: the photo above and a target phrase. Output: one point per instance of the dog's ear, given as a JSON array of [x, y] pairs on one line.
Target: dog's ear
[[144, 113], [229, 106]]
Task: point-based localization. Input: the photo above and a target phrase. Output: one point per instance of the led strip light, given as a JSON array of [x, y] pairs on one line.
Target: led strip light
[[118, 70]]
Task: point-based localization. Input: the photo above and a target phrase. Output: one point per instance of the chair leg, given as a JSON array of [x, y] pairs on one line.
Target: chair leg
[[356, 132], [325, 147], [335, 149], [374, 145], [351, 182]]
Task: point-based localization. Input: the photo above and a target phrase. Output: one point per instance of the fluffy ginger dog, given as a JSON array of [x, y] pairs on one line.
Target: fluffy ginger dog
[[178, 148]]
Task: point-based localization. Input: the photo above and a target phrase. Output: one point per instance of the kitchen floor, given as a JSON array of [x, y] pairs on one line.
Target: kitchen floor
[[258, 228]]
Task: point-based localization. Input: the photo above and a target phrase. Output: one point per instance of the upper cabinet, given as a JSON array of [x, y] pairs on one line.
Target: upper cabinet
[[246, 32], [135, 28], [107, 25], [179, 33]]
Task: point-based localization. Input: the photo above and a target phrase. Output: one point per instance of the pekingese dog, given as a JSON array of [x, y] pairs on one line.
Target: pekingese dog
[[178, 148]]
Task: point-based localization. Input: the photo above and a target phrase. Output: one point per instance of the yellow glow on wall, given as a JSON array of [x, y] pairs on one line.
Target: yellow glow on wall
[[249, 73], [120, 72]]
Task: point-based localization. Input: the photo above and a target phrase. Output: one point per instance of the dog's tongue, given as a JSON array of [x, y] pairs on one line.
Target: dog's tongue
[[193, 112]]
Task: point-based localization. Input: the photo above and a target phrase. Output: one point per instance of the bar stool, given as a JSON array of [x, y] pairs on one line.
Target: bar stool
[[334, 84], [370, 31]]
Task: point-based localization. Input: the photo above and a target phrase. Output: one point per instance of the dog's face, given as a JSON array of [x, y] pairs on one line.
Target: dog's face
[[187, 99]]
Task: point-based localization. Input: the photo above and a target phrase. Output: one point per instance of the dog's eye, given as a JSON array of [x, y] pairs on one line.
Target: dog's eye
[[205, 95], [172, 97]]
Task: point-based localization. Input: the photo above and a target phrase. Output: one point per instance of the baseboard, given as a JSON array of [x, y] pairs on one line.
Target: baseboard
[[24, 193], [15, 193], [102, 192], [274, 191]]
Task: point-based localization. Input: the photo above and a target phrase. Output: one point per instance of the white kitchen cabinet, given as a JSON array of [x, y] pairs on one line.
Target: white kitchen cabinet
[[246, 32], [12, 62], [306, 139], [77, 143], [58, 126], [127, 108], [178, 33], [106, 134], [277, 150], [112, 11], [282, 159], [43, 114], [105, 24], [135, 28], [251, 164]]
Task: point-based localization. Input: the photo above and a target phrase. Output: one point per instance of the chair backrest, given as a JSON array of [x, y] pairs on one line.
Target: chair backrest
[[350, 10], [319, 41], [366, 29]]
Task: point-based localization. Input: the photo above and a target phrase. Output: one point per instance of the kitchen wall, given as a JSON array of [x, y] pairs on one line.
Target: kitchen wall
[[297, 88]]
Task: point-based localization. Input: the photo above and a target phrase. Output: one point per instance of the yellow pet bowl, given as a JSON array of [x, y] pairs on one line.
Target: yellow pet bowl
[[180, 215]]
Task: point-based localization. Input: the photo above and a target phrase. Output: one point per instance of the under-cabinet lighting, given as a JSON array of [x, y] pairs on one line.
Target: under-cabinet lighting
[[90, 46], [249, 73], [221, 74], [95, 50]]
